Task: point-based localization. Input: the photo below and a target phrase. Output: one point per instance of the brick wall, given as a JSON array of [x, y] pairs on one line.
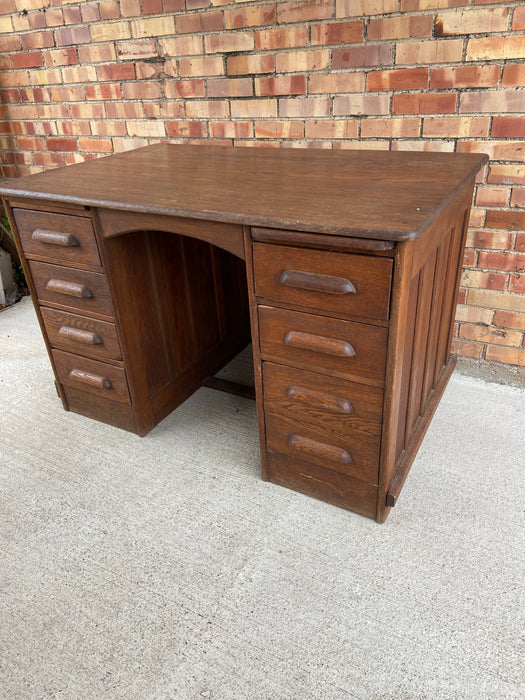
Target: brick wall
[[83, 79]]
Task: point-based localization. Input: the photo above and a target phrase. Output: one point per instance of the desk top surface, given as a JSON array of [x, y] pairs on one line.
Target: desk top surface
[[374, 194]]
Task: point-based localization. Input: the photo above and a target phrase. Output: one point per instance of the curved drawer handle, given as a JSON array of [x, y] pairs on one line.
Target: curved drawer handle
[[72, 289], [329, 402], [314, 282], [55, 238], [319, 449], [91, 379], [80, 336], [318, 343]]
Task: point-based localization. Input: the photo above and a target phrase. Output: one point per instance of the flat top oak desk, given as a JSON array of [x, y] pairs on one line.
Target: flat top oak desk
[[151, 269]]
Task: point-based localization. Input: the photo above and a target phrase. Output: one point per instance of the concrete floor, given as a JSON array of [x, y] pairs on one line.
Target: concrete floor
[[164, 568]]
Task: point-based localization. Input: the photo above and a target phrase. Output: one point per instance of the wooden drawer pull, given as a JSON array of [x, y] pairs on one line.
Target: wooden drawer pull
[[319, 449], [318, 343], [80, 336], [88, 378], [316, 283], [329, 402], [55, 238], [72, 289]]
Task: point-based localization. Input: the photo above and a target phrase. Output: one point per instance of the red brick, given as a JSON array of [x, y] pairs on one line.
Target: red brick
[[405, 127], [518, 19], [492, 196], [72, 36], [142, 48], [466, 349], [520, 242], [116, 71], [469, 258], [350, 105], [492, 101], [288, 12], [164, 109], [517, 198], [513, 75], [400, 79], [61, 144], [507, 319], [304, 107], [302, 61], [196, 4], [256, 16], [109, 128], [502, 174], [517, 283], [432, 52], [142, 91], [60, 57], [357, 8], [199, 23], [496, 48], [337, 33], [472, 22], [281, 85], [124, 110], [131, 8], [496, 150], [186, 129], [358, 56], [506, 355], [231, 130], [230, 42], [152, 7], [106, 91], [512, 262], [90, 12], [55, 160], [404, 27], [88, 111], [332, 129], [208, 109], [109, 9], [483, 280], [31, 59], [247, 65], [253, 108], [38, 40], [508, 127], [96, 145], [97, 53], [336, 82], [465, 76], [269, 129], [54, 17], [281, 38], [426, 103], [184, 88], [489, 239], [72, 15], [497, 336]]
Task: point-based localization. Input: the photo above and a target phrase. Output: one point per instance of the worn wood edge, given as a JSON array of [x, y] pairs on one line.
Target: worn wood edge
[[270, 235], [418, 434], [229, 387]]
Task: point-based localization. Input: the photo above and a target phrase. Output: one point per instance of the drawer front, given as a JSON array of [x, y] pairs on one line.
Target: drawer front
[[61, 238], [340, 348], [356, 456], [324, 484], [77, 289], [353, 285], [92, 376], [81, 334]]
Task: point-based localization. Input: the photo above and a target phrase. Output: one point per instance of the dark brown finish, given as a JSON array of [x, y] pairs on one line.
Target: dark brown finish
[[353, 285], [229, 387], [60, 238], [348, 275]]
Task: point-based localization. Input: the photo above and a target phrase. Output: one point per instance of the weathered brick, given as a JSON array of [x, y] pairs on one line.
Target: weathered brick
[[164, 109], [71, 36], [520, 242], [336, 82], [492, 101], [105, 91], [124, 110], [281, 38], [55, 143], [406, 26], [332, 129], [496, 48], [349, 105], [304, 107], [254, 16], [201, 67], [110, 31], [337, 33], [506, 355], [281, 85], [272, 129], [54, 17], [46, 76], [108, 128], [517, 284], [508, 127], [109, 9], [79, 74], [518, 197], [492, 196], [144, 48], [518, 19], [472, 21], [508, 220], [130, 8], [398, 79], [507, 319], [32, 59], [456, 127], [142, 90], [484, 334], [95, 145], [422, 145], [360, 56], [469, 258], [467, 349], [358, 8], [304, 11], [496, 150], [208, 109], [89, 111], [472, 314], [147, 128], [184, 88], [186, 129], [410, 5], [69, 93], [231, 129], [152, 7], [483, 280], [116, 71], [153, 26], [181, 46], [299, 61], [492, 240], [248, 65], [227, 43], [253, 108], [200, 22], [407, 127], [432, 52], [424, 103], [464, 76], [503, 174], [60, 57], [513, 75], [97, 53]]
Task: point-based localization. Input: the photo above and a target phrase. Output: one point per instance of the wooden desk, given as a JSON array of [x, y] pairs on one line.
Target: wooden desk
[[150, 269]]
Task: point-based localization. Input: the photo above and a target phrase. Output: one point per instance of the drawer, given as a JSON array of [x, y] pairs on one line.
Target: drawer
[[340, 348], [120, 415], [78, 289], [81, 334], [60, 238], [353, 455], [332, 487], [92, 376], [352, 285]]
